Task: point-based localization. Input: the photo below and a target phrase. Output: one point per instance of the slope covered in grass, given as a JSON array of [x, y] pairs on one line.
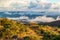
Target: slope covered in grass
[[12, 29]]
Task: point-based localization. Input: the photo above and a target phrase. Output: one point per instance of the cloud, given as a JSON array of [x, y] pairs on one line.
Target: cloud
[[37, 19], [43, 19], [7, 3], [58, 18], [27, 5], [19, 18]]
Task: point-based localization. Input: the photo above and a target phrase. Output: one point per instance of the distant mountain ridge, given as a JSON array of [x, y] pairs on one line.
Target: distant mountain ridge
[[28, 13], [54, 23]]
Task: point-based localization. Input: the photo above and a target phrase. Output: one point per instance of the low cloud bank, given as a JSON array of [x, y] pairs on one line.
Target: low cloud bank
[[43, 19], [37, 19]]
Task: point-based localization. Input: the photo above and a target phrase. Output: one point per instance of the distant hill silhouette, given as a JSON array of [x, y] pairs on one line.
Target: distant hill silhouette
[[54, 23]]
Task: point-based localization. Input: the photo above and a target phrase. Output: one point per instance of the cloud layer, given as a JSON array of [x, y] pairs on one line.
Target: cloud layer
[[37, 19], [28, 5]]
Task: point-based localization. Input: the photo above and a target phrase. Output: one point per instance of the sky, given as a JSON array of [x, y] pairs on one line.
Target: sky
[[25, 4], [6, 3], [53, 1]]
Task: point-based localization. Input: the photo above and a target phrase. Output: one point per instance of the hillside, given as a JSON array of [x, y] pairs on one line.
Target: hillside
[[13, 30], [54, 23]]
